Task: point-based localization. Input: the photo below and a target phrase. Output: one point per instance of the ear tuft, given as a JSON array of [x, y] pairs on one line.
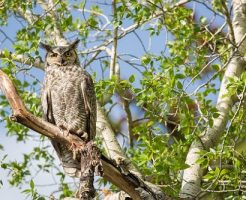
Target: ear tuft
[[45, 46], [74, 44]]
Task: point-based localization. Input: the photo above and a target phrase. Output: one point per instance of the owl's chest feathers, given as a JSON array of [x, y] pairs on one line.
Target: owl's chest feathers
[[65, 85], [56, 76]]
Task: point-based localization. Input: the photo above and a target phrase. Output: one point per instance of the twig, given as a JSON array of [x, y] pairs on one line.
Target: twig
[[229, 22], [129, 120], [114, 69]]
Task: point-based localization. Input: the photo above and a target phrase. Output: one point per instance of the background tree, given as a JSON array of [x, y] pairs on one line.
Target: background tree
[[170, 85]]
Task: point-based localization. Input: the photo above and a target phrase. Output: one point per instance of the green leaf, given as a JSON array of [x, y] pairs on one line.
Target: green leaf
[[41, 198], [216, 115], [203, 20], [179, 85], [224, 172], [4, 165], [32, 184], [146, 60], [215, 67], [180, 76], [132, 78], [27, 191], [6, 53]]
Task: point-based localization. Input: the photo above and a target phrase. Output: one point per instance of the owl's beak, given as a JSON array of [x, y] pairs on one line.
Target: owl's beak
[[63, 62], [60, 61]]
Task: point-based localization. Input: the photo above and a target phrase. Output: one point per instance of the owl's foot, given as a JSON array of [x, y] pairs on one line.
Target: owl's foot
[[76, 149], [79, 132]]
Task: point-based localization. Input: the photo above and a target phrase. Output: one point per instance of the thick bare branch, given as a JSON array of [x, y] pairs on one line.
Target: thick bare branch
[[110, 143], [239, 25], [124, 179]]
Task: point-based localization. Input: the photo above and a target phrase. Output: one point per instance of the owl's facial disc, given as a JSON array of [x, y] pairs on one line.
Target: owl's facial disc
[[61, 55]]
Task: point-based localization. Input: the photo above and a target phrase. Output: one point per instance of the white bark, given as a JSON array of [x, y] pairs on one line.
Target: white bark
[[110, 143], [192, 176], [114, 66], [239, 24]]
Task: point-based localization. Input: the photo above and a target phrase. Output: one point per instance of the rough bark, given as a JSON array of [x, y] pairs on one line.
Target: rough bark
[[192, 176], [90, 165]]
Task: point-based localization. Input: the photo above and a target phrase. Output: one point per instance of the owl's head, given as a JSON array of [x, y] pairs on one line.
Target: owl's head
[[61, 55]]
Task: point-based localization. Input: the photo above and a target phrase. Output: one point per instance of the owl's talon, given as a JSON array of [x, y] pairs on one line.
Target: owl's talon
[[74, 149], [74, 154]]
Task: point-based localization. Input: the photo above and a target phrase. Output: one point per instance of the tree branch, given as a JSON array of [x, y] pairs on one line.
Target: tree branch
[[114, 66], [126, 105], [28, 15], [122, 178]]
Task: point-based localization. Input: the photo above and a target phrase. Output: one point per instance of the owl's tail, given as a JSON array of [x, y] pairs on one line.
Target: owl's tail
[[70, 165]]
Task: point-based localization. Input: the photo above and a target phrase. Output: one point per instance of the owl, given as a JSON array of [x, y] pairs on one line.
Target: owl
[[68, 101]]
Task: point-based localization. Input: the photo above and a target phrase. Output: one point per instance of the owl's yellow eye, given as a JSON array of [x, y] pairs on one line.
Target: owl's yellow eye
[[53, 54], [68, 53]]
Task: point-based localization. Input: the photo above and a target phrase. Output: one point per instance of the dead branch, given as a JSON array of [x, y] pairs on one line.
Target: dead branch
[[125, 180]]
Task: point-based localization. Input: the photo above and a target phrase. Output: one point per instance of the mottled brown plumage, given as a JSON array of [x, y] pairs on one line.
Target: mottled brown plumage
[[68, 101]]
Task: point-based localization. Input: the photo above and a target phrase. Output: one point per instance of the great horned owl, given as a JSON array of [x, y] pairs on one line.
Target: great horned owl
[[68, 100]]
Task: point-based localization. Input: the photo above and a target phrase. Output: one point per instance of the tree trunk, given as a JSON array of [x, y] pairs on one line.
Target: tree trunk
[[191, 183]]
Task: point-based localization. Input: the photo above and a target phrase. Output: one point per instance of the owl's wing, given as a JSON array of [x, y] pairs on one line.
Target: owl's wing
[[89, 98], [48, 113], [47, 106]]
